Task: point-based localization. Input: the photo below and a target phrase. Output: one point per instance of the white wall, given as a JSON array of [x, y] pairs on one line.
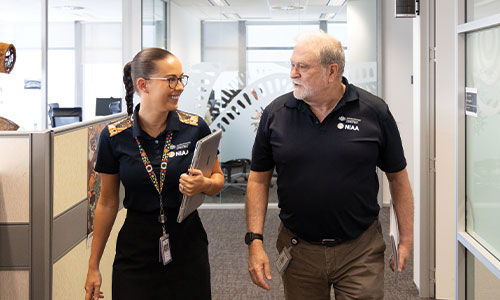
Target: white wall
[[422, 254], [398, 42], [397, 68], [362, 30], [185, 35], [446, 141], [415, 175]]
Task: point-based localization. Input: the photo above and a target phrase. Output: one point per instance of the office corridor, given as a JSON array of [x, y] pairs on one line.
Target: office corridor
[[228, 258]]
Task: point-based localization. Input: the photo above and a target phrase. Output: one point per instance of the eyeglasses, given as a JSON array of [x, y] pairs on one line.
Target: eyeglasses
[[173, 81]]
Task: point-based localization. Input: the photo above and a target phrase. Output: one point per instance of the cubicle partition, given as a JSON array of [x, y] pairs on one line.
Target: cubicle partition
[[43, 214]]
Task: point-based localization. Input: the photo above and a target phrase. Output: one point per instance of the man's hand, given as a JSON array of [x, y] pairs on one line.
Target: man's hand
[[258, 262], [403, 256]]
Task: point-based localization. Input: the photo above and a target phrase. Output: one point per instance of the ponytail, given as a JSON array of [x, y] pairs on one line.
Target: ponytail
[[129, 87]]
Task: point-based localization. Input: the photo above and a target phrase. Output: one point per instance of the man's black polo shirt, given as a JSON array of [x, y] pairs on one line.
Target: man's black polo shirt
[[327, 181], [119, 153]]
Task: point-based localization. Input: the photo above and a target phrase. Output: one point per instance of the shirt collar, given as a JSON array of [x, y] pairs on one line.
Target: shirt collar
[[350, 94], [173, 123]]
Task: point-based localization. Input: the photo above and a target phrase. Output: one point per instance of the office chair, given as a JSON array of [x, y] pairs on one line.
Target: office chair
[[51, 109], [231, 179], [66, 115], [107, 106], [115, 107]]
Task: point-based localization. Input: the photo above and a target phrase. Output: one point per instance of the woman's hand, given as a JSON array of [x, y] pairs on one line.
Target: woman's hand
[[93, 285], [193, 182]]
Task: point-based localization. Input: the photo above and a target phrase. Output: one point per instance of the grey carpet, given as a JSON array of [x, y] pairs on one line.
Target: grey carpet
[[228, 258]]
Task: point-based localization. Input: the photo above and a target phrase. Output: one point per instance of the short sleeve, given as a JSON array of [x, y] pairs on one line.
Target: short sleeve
[[262, 154], [392, 158], [107, 162], [204, 129]]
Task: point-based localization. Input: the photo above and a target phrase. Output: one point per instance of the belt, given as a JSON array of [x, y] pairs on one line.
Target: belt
[[326, 242], [322, 242]]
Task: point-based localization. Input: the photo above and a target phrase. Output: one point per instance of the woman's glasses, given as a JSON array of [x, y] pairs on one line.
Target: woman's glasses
[[172, 81]]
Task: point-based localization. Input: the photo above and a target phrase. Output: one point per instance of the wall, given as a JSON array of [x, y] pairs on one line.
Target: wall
[[185, 35], [14, 216], [397, 90], [362, 30], [446, 154]]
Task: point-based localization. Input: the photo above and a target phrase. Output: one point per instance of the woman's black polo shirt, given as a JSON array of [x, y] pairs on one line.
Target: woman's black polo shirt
[[119, 153], [327, 181]]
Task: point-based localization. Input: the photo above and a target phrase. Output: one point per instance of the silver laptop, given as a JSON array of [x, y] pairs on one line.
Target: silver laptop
[[203, 159]]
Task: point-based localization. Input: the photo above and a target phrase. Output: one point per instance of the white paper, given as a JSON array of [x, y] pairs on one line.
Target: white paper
[[394, 234], [471, 102]]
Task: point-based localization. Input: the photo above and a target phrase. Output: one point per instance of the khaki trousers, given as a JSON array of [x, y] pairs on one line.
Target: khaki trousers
[[354, 268]]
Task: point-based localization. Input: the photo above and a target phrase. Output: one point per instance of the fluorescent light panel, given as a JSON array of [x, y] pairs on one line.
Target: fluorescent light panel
[[231, 16], [219, 2], [288, 7], [325, 16], [336, 2]]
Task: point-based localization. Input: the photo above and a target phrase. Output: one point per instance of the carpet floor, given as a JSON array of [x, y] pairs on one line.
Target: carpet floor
[[228, 258]]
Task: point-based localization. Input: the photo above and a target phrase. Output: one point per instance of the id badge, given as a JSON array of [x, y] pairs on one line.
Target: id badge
[[283, 260], [165, 255]]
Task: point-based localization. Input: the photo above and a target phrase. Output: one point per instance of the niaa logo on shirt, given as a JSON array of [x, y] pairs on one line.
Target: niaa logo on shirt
[[352, 123]]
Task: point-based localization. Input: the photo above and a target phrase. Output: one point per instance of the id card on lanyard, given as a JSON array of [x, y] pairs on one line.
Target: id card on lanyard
[[164, 243]]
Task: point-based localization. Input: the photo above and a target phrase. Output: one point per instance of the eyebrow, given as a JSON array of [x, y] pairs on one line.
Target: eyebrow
[[170, 75]]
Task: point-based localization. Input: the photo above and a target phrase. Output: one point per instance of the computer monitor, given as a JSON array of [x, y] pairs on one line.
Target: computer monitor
[[107, 106], [66, 115]]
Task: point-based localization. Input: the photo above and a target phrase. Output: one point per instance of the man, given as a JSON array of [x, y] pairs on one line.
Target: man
[[326, 140]]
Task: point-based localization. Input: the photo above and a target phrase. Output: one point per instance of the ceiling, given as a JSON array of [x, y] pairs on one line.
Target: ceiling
[[263, 9], [111, 10]]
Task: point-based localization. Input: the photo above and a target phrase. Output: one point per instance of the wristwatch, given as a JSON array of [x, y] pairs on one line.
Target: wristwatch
[[250, 236]]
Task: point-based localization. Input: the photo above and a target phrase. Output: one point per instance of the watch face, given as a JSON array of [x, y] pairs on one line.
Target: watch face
[[248, 238]]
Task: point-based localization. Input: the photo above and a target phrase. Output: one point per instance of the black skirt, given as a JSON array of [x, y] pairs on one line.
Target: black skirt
[[137, 272]]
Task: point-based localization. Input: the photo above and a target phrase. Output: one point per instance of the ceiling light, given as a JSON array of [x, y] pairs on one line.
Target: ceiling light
[[325, 16], [69, 7], [219, 2], [336, 2], [231, 16], [288, 7]]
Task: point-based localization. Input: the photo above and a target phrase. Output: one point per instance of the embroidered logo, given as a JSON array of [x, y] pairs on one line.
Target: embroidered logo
[[348, 123]]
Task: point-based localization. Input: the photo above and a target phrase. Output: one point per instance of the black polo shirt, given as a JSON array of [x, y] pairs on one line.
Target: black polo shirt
[[119, 153], [327, 181]]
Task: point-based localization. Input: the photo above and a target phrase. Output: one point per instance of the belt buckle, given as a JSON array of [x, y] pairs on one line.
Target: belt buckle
[[330, 242]]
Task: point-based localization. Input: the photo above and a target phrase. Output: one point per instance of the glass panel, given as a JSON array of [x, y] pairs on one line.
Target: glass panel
[[361, 59], [339, 31], [483, 139], [84, 54], [477, 9], [153, 24], [481, 283], [265, 35], [20, 91], [237, 67]]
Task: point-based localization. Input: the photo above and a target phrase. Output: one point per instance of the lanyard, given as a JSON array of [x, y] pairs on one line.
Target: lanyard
[[152, 175]]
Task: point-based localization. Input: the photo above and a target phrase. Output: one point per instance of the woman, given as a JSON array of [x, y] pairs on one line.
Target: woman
[[150, 152]]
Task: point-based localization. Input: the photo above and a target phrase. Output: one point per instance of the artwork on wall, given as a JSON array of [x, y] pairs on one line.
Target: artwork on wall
[[93, 178]]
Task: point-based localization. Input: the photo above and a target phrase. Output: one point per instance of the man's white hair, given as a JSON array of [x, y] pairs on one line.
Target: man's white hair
[[327, 48]]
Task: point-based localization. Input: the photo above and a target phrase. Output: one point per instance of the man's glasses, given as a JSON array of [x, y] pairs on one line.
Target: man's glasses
[[173, 81]]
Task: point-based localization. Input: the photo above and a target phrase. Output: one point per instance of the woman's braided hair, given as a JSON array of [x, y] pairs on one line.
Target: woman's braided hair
[[143, 65]]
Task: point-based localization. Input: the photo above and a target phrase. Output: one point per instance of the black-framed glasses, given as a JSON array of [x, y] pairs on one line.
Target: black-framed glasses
[[173, 81]]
